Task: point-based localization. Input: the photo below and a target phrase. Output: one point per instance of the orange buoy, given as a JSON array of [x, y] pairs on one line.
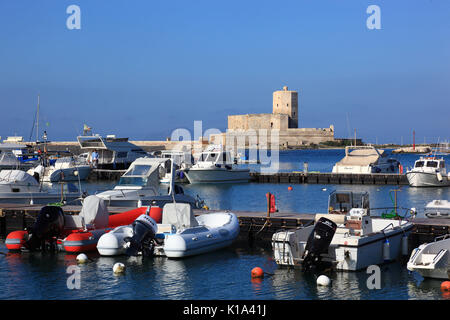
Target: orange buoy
[[257, 272], [290, 188], [445, 286]]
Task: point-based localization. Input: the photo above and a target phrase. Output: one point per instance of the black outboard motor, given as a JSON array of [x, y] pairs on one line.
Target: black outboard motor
[[318, 242], [48, 226], [144, 231]]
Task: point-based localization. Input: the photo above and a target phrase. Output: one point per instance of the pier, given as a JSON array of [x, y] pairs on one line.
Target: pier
[[255, 227], [330, 178]]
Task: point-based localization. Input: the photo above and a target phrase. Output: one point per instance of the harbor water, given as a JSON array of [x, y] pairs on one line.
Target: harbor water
[[225, 274]]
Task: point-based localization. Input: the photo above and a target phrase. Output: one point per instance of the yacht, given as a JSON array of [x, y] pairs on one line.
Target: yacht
[[365, 160], [18, 186], [64, 169], [428, 172], [114, 153], [347, 238], [139, 186], [216, 165]]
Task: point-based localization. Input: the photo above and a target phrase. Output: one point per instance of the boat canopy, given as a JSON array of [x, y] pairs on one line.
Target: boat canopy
[[17, 177], [143, 172], [180, 215], [361, 156], [343, 201]]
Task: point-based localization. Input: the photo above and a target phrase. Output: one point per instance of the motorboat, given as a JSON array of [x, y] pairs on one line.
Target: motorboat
[[114, 153], [365, 160], [64, 169], [181, 160], [216, 165], [432, 260], [139, 186], [428, 171], [16, 156], [18, 186], [62, 231], [347, 238], [181, 234], [437, 209]]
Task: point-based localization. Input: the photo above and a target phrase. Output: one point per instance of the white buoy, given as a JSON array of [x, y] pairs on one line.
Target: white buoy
[[139, 204], [119, 268], [31, 202], [323, 280], [82, 258], [386, 251]]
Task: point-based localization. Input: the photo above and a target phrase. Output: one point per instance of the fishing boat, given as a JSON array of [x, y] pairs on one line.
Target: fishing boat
[[347, 238], [432, 260], [438, 209], [18, 186], [73, 232], [64, 169], [365, 160], [216, 165], [428, 171], [139, 186], [180, 234]]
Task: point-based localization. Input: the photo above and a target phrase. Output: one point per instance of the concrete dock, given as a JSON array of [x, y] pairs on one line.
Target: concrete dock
[[255, 227]]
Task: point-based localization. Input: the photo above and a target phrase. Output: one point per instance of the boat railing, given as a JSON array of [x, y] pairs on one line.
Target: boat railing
[[443, 237]]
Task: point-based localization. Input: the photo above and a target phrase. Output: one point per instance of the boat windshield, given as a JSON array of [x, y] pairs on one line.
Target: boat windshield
[[432, 164], [419, 164], [138, 170], [216, 157], [132, 181]]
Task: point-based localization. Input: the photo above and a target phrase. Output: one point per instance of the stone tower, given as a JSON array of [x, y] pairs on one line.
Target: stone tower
[[286, 102]]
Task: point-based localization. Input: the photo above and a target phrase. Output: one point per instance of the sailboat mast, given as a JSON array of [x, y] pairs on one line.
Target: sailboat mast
[[37, 121]]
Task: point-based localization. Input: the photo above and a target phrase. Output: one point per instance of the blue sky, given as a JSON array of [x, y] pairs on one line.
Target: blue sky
[[144, 68]]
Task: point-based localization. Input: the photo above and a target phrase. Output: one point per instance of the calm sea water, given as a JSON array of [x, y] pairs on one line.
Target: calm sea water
[[225, 274]]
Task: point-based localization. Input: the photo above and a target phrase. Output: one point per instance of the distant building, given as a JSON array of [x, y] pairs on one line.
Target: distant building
[[283, 119]]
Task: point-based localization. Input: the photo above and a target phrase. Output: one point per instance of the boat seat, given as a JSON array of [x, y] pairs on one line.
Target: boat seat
[[336, 218]]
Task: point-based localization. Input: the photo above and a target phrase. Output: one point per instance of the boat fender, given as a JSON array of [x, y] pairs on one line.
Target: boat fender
[[386, 250], [257, 272], [82, 258], [323, 280], [405, 245], [445, 286], [119, 268], [439, 176]]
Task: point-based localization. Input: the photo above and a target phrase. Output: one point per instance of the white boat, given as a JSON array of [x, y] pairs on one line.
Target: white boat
[[437, 209], [432, 260], [114, 153], [180, 234], [428, 172], [181, 160], [216, 165], [15, 156], [64, 169], [18, 186], [139, 186], [347, 238], [365, 160]]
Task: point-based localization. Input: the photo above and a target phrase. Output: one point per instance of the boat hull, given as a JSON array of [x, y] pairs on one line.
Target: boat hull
[[69, 174], [426, 179], [214, 175], [431, 260]]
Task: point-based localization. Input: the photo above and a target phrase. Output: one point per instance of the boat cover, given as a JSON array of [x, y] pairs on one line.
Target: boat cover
[[361, 157], [180, 215], [17, 177], [94, 212]]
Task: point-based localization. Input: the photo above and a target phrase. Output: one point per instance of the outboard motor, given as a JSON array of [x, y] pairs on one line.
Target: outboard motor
[[144, 231], [318, 242], [48, 226]]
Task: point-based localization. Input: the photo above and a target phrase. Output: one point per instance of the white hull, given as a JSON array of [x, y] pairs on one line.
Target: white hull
[[426, 179], [431, 260], [36, 197], [68, 174], [211, 175]]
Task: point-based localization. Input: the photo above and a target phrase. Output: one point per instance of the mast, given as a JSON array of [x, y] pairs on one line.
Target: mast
[[37, 121]]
